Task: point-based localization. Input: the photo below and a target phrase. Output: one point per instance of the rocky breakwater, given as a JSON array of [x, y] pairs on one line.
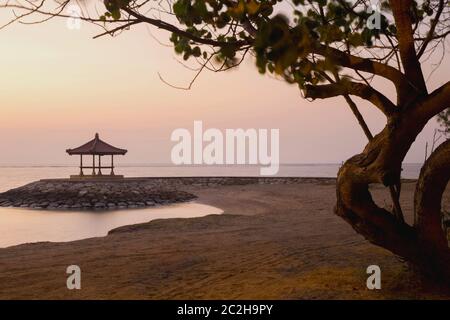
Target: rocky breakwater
[[128, 192], [66, 194]]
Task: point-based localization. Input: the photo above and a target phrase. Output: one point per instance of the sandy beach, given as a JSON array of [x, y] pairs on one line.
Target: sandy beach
[[272, 242]]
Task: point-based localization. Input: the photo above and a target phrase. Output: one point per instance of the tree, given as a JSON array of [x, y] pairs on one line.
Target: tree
[[328, 48]]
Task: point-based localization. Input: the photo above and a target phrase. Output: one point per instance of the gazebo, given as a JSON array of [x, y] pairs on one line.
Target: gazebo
[[96, 147]]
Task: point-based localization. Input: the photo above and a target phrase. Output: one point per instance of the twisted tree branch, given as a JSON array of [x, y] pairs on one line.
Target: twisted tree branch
[[351, 88]]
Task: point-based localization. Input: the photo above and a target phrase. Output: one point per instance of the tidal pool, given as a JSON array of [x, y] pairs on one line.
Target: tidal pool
[[18, 226]]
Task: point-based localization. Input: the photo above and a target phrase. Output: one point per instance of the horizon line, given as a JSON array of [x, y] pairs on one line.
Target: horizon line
[[131, 165]]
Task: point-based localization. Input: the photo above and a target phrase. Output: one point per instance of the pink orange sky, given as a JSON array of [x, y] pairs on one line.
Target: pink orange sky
[[59, 86]]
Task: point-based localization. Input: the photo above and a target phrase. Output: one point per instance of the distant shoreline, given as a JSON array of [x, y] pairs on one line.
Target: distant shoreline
[[156, 165]]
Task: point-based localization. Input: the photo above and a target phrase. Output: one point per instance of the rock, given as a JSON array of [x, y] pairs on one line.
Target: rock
[[99, 205], [82, 193], [64, 194]]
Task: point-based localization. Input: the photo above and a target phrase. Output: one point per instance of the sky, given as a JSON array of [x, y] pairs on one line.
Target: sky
[[58, 87]]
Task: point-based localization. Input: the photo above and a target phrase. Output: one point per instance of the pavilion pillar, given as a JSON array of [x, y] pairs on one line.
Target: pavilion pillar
[[93, 164], [99, 165], [81, 165], [112, 164]]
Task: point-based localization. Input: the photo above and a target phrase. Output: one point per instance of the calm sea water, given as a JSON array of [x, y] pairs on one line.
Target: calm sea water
[[19, 226]]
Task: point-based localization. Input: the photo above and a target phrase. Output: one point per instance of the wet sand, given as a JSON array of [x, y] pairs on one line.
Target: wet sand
[[272, 242]]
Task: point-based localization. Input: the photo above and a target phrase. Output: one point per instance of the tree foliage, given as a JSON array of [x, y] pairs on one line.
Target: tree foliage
[[306, 42]]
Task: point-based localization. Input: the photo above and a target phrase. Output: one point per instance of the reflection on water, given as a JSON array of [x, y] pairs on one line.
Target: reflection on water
[[19, 226]]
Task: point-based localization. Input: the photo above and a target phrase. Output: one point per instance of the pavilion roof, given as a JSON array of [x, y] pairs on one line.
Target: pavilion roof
[[96, 147]]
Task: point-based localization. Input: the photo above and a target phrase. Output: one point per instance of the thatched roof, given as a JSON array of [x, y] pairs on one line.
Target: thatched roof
[[97, 147]]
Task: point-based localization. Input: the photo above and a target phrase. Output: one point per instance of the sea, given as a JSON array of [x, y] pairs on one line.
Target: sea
[[16, 176]]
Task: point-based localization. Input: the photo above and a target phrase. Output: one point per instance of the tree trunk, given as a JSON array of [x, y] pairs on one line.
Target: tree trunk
[[380, 162], [433, 180]]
